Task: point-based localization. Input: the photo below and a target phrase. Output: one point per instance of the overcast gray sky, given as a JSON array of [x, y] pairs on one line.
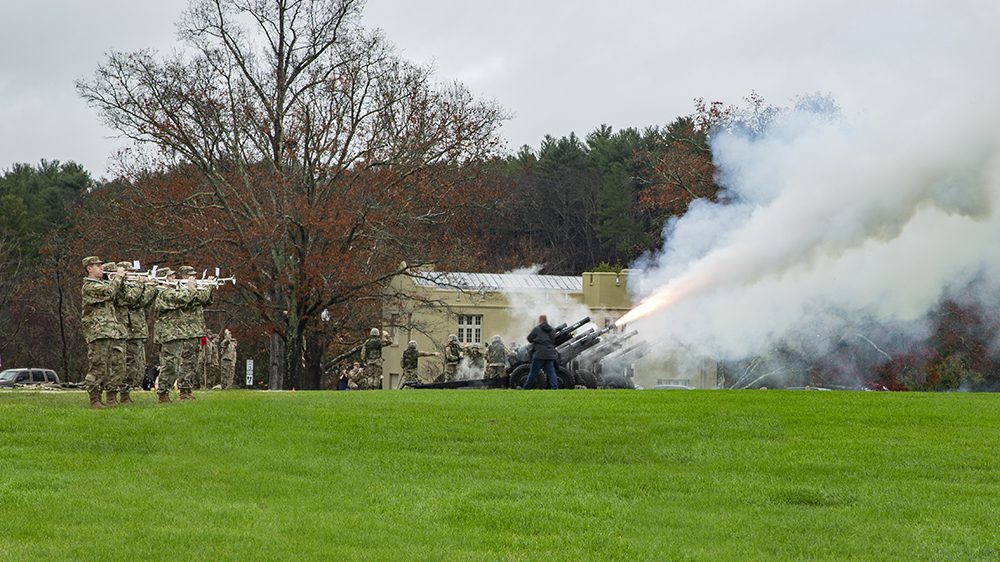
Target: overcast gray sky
[[558, 66]]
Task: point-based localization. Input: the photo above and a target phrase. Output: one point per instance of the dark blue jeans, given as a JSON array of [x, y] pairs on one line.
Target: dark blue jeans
[[550, 368]]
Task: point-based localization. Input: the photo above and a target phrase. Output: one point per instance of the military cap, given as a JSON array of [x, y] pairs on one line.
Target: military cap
[[125, 264], [164, 271], [185, 270], [110, 266], [89, 260]]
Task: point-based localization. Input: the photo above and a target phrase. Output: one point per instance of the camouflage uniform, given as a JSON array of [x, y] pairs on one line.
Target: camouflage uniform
[[214, 366], [409, 362], [179, 327], [356, 378], [477, 363], [452, 356], [496, 359], [138, 298], [227, 359], [371, 352], [194, 312], [115, 382], [105, 336]]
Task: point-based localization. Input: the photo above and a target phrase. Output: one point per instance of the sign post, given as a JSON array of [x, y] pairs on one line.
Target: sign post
[[249, 373]]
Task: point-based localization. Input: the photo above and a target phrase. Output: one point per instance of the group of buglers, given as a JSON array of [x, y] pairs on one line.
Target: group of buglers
[[114, 325]]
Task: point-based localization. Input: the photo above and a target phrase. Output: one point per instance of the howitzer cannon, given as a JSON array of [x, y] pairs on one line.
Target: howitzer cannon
[[615, 369], [579, 356], [568, 345], [587, 364]]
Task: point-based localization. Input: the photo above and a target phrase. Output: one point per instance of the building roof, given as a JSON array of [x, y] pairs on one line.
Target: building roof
[[498, 282]]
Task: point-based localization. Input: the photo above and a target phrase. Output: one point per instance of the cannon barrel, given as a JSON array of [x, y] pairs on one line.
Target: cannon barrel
[[607, 345], [565, 333], [571, 349], [576, 338], [627, 354]]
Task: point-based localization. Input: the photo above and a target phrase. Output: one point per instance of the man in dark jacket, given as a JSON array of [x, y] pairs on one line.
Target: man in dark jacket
[[542, 339]]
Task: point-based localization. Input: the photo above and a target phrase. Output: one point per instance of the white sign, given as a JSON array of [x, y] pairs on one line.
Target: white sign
[[249, 372]]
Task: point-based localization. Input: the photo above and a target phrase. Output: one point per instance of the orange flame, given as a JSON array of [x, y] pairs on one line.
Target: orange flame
[[651, 304]]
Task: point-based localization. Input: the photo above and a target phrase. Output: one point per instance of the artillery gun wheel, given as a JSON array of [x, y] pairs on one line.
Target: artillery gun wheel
[[586, 378], [520, 374], [565, 378], [617, 381]]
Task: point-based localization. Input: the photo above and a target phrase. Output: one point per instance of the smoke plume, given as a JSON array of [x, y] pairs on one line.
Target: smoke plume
[[835, 220], [524, 307]]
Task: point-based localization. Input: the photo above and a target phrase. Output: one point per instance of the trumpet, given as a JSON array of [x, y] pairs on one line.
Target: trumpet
[[199, 283], [134, 277]]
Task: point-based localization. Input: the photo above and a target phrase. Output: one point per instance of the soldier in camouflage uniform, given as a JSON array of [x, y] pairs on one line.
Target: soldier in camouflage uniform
[[227, 359], [496, 359], [411, 356], [477, 363], [214, 366], [179, 327], [105, 336], [115, 382], [371, 352], [194, 314], [356, 378], [452, 357], [138, 297], [169, 332]]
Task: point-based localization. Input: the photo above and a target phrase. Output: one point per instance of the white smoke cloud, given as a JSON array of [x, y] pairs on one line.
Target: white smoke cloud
[[870, 217], [526, 306]]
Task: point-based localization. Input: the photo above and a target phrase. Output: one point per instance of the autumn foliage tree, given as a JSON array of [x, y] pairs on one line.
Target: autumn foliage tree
[[296, 145]]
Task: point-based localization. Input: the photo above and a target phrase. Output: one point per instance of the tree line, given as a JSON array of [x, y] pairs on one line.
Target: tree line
[[290, 145]]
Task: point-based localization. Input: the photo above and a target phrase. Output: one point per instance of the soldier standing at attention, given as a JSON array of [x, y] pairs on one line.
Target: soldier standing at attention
[[227, 359], [496, 359], [139, 297], [105, 337], [411, 356], [452, 356], [371, 352], [214, 366]]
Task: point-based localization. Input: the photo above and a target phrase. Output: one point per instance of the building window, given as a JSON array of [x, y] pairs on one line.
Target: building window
[[470, 328]]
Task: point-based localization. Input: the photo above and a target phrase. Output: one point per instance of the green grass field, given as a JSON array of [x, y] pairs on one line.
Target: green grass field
[[503, 475]]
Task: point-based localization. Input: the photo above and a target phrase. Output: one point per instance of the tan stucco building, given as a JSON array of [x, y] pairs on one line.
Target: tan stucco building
[[429, 306]]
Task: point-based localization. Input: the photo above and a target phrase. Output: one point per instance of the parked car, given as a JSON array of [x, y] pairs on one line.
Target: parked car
[[10, 377]]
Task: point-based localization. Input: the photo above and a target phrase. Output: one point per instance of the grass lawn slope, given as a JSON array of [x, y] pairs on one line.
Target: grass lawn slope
[[503, 475]]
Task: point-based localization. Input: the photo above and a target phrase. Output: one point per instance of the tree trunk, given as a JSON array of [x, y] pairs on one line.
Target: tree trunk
[[294, 350], [276, 375], [62, 321], [314, 362]]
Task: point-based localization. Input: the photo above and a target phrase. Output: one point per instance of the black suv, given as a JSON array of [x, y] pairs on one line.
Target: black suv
[[10, 377]]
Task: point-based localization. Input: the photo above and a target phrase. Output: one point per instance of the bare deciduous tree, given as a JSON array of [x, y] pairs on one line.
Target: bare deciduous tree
[[321, 157]]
